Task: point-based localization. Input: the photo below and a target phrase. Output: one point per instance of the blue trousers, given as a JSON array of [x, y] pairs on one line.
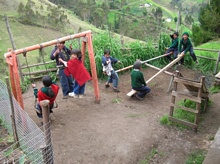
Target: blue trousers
[[113, 79], [175, 53], [192, 54], [79, 89], [66, 82], [142, 90]]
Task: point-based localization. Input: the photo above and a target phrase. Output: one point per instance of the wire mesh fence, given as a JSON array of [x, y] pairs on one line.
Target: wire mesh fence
[[34, 144]]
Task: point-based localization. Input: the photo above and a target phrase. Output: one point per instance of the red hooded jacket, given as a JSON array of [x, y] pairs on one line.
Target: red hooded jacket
[[76, 68], [43, 96]]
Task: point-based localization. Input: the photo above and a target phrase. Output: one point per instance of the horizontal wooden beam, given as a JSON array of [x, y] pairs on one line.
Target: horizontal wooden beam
[[203, 57], [205, 49], [185, 108], [186, 82], [39, 72], [185, 96], [183, 122], [38, 64]]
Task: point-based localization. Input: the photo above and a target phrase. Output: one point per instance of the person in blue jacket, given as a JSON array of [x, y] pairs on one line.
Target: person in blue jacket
[[62, 52], [107, 62]]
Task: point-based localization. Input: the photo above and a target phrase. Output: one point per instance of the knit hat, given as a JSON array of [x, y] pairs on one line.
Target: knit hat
[[175, 33], [186, 33], [137, 64]]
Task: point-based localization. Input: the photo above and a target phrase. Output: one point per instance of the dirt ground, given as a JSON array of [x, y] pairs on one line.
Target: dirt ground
[[123, 130]]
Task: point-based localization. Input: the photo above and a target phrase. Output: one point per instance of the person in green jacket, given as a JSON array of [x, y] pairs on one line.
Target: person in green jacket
[[137, 81], [173, 49], [185, 45]]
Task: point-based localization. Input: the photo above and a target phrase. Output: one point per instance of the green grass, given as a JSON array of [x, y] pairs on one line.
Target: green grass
[[147, 159], [196, 157], [214, 89]]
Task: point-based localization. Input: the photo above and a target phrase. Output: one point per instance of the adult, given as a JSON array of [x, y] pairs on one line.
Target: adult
[[62, 52]]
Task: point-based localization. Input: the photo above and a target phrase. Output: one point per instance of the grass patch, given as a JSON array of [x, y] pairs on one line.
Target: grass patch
[[214, 89], [196, 157], [181, 114], [147, 159]]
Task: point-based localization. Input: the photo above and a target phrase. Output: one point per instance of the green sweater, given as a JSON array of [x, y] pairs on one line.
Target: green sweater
[[186, 45], [174, 43], [137, 78]]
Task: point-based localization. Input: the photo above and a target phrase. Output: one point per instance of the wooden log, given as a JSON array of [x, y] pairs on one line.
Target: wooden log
[[39, 72], [162, 70], [205, 49], [217, 63], [166, 72], [131, 66], [38, 64], [203, 57]]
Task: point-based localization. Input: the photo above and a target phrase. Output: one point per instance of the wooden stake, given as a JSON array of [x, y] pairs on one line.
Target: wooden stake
[[217, 63], [14, 127]]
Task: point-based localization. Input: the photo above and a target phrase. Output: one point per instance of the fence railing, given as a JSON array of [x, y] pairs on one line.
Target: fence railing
[[32, 144]]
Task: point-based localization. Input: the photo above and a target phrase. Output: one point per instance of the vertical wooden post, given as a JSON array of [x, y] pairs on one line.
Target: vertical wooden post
[[217, 63], [93, 68], [173, 97], [83, 50], [17, 81], [12, 113], [14, 47], [47, 149]]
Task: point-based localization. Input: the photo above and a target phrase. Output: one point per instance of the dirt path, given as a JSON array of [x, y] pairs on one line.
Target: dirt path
[[124, 130]]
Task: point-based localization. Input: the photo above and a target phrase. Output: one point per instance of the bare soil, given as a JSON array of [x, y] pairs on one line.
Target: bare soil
[[123, 130]]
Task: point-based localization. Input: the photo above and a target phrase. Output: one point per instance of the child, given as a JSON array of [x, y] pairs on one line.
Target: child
[[48, 92], [76, 68], [137, 81], [185, 46], [174, 46], [107, 62]]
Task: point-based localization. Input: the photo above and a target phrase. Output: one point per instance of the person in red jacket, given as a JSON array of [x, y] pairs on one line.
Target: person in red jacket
[[76, 68], [48, 92]]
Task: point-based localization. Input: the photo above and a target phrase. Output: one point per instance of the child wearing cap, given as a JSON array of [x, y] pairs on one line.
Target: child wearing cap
[[173, 47], [185, 45], [137, 81]]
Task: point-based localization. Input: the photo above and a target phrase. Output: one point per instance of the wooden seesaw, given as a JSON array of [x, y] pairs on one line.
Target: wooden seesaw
[[132, 92]]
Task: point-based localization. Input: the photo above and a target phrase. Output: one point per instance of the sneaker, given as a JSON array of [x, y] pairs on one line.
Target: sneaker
[[72, 94], [139, 97], [65, 97], [116, 90]]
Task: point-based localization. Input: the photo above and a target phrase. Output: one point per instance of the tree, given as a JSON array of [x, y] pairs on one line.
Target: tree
[[158, 14], [21, 8]]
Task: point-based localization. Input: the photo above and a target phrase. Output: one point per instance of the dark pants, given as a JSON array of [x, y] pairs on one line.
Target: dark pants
[[66, 82], [38, 107], [175, 53], [142, 90], [192, 54], [79, 89]]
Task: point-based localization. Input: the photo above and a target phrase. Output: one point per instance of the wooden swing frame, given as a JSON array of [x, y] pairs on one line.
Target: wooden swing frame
[[10, 57]]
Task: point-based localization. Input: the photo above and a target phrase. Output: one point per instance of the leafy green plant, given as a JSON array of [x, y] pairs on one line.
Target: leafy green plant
[[25, 84], [164, 120], [214, 89], [196, 157]]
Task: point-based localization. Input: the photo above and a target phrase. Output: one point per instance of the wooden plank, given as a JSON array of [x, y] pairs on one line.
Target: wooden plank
[[38, 64], [132, 92], [166, 72], [183, 122], [162, 70], [187, 82], [218, 76], [189, 97], [205, 49], [184, 108], [39, 72], [131, 66]]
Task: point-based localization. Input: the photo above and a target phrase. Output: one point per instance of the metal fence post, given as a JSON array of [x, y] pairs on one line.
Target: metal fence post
[[12, 113], [217, 63], [47, 149]]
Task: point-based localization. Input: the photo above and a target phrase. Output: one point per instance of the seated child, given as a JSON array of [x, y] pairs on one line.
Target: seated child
[[185, 45], [174, 46], [76, 68], [48, 92], [137, 81]]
